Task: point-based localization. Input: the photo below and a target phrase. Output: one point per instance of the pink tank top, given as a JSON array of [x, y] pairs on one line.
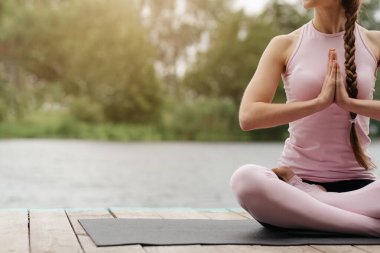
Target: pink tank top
[[318, 147]]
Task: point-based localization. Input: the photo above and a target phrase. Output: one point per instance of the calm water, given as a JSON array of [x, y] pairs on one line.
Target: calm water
[[72, 173]]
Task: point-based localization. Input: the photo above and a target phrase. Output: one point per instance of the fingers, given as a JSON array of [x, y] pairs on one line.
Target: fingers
[[337, 70], [339, 77], [334, 66], [337, 65], [329, 63], [332, 55]]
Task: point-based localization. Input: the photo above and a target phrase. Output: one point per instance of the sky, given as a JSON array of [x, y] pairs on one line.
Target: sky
[[256, 6]]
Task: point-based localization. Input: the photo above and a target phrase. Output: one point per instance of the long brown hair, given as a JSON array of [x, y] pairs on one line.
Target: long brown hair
[[352, 8]]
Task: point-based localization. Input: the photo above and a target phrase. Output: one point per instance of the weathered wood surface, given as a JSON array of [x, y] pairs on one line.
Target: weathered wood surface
[[58, 230], [51, 231], [14, 234]]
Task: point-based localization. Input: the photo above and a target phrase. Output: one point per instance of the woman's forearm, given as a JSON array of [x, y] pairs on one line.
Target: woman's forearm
[[369, 108], [265, 115]]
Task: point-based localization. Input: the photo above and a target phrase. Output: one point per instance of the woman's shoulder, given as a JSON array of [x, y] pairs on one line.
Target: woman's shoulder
[[372, 39], [290, 38], [287, 43]]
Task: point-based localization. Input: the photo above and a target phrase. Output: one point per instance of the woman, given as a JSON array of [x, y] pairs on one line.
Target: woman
[[327, 175]]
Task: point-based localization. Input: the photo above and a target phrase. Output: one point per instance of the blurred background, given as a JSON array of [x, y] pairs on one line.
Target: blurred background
[[135, 102]]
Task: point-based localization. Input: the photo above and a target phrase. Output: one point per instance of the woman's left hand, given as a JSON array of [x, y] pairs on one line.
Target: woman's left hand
[[342, 98]]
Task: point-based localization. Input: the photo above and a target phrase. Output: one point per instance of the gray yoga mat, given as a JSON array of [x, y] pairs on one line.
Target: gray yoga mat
[[123, 231]]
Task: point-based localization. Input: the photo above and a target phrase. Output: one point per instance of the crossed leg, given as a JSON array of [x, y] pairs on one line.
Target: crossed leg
[[362, 201], [270, 200]]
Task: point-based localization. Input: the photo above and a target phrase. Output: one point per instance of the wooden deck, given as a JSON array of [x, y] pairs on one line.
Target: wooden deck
[[58, 230]]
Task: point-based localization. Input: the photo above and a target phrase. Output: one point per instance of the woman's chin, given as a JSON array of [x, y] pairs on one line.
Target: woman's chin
[[308, 4], [307, 7]]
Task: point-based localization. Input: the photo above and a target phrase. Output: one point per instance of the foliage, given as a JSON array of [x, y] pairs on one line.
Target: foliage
[[137, 69], [287, 17], [177, 26], [369, 14], [98, 49], [61, 125], [201, 119], [235, 49]]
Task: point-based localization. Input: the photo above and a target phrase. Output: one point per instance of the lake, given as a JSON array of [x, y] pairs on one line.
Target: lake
[[79, 174]]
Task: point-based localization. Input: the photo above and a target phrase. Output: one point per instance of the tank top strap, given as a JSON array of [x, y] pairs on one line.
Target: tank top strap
[[360, 37], [298, 44]]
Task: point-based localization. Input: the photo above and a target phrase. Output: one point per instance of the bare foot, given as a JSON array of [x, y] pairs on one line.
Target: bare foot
[[284, 173], [322, 188]]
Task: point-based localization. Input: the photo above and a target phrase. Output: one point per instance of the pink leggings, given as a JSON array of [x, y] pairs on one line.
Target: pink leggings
[[301, 205]]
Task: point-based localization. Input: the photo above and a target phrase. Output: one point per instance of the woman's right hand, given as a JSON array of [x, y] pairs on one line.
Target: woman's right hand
[[327, 95]]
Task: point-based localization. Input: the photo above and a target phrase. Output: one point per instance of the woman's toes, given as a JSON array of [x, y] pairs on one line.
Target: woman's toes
[[322, 188]]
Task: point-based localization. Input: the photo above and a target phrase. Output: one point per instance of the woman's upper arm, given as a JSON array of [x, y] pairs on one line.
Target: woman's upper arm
[[374, 43], [265, 80]]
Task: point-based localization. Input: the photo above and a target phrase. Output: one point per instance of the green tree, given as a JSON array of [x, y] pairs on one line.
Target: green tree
[[369, 14], [175, 27], [287, 17], [94, 48], [226, 67]]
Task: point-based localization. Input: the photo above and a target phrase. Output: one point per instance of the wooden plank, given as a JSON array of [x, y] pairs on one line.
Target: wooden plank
[[75, 214], [286, 249], [143, 213], [175, 249], [259, 248], [369, 248], [338, 249], [89, 247], [240, 211], [14, 234], [185, 213], [50, 231], [221, 214], [229, 248]]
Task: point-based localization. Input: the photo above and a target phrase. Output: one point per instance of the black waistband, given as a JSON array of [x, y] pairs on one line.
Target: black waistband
[[342, 186]]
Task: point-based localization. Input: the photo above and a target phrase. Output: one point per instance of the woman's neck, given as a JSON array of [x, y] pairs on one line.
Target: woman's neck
[[326, 20]]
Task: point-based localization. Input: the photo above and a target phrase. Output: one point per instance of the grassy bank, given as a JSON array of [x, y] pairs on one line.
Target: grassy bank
[[61, 125]]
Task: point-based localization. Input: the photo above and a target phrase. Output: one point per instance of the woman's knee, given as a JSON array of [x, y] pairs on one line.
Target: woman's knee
[[250, 179]]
